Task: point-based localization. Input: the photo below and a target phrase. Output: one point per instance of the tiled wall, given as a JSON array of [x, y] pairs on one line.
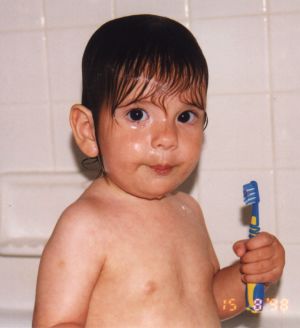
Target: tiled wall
[[253, 50]]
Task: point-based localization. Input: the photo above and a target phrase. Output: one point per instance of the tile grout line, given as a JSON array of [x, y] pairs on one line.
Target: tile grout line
[[113, 9], [271, 110], [187, 12], [113, 13], [245, 15], [50, 107]]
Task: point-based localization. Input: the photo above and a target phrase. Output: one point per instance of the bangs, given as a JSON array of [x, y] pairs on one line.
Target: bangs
[[158, 80]]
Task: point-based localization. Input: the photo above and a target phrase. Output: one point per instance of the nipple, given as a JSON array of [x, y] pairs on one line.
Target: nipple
[[150, 287]]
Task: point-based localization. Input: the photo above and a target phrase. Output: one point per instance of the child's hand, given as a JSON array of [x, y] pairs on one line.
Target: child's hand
[[262, 258]]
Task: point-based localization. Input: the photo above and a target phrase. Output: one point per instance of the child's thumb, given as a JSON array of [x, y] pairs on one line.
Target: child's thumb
[[239, 247]]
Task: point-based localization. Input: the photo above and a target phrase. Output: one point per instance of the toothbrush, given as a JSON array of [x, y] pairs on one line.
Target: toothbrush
[[255, 292]]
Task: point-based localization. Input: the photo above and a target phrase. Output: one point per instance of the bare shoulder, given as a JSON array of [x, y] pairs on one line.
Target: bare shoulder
[[191, 202], [84, 220], [70, 266]]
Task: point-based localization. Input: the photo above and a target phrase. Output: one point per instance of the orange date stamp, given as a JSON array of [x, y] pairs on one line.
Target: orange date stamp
[[275, 304]]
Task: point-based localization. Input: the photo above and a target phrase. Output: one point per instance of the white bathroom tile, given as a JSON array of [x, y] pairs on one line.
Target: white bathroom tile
[[289, 288], [23, 67], [170, 8], [17, 287], [288, 205], [66, 47], [286, 128], [31, 205], [239, 132], [284, 6], [231, 47], [77, 12], [225, 254], [21, 14], [221, 198], [285, 51], [25, 139], [215, 8]]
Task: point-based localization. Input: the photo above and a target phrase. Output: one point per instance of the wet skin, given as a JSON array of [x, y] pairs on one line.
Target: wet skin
[[129, 252]]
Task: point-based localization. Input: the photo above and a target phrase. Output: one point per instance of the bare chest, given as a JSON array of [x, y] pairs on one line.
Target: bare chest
[[167, 254], [161, 266]]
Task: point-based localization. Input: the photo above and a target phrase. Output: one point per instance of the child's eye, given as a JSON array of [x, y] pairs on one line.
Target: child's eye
[[137, 114], [187, 117]]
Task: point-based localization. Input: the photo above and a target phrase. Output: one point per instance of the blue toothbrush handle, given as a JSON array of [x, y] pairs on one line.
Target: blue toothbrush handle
[[255, 292]]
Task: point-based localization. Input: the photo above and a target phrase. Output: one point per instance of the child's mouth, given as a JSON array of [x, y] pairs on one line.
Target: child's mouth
[[161, 169]]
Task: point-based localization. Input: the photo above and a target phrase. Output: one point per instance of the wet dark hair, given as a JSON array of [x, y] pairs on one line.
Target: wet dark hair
[[153, 47]]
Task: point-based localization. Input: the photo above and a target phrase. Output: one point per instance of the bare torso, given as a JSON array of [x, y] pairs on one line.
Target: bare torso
[[158, 269]]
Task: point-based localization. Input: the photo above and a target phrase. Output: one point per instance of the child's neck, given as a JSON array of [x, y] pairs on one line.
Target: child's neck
[[113, 190]]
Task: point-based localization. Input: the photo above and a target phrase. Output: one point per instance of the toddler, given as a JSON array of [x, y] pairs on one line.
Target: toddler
[[132, 251]]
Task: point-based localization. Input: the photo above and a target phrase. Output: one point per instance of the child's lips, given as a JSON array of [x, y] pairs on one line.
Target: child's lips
[[161, 169]]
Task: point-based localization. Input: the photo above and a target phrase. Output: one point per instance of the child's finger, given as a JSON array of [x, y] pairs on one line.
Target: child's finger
[[240, 248], [259, 254], [261, 240], [269, 277], [258, 267]]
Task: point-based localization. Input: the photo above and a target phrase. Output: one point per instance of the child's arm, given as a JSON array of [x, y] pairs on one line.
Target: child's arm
[[262, 260], [69, 269]]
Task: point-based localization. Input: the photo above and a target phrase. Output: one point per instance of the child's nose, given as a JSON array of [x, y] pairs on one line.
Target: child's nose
[[164, 135]]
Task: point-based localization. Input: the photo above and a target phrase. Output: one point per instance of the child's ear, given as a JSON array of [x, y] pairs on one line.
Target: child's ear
[[82, 124]]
